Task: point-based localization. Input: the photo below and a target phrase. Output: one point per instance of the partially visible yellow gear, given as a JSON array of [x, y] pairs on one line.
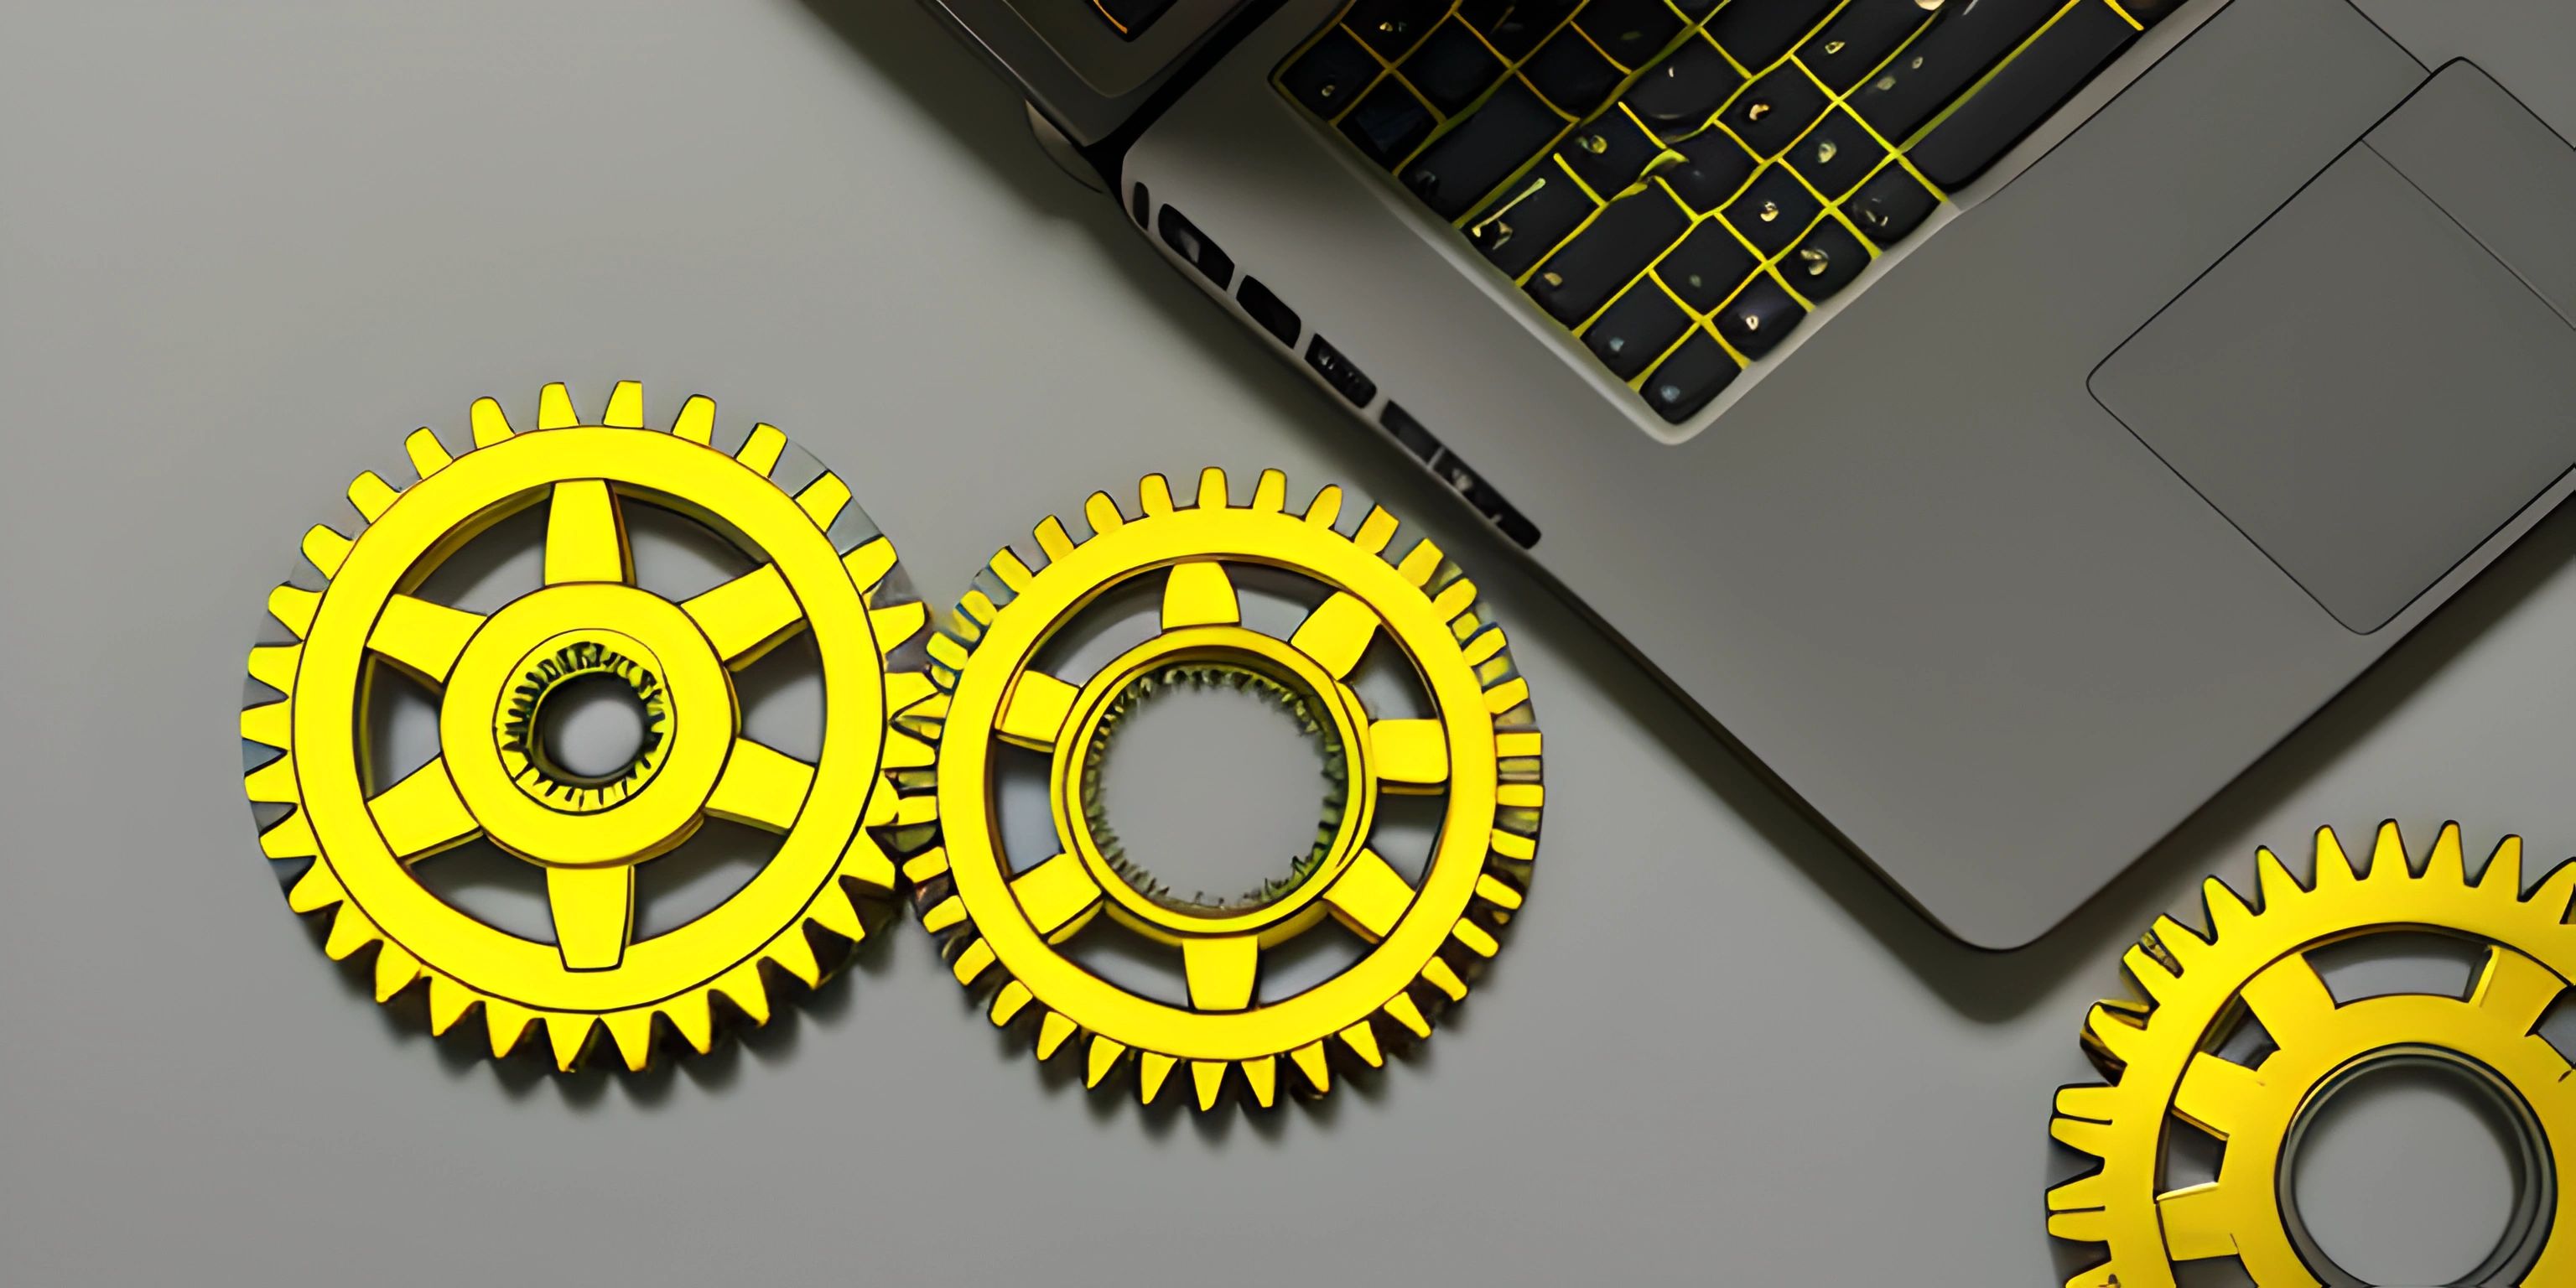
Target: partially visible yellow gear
[[2162, 1057], [492, 777], [1003, 927]]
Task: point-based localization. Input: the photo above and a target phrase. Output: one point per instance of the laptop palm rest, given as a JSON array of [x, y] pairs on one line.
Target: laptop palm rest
[[2384, 373]]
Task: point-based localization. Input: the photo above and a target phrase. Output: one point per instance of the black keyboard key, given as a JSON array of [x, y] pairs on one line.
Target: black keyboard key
[[2021, 93], [1408, 431], [1678, 95], [1131, 17], [1632, 32], [1707, 267], [1515, 27], [1393, 26], [1712, 170], [1696, 372], [1452, 67], [1521, 227], [1825, 262], [1571, 73], [1960, 45], [1330, 76], [1389, 123], [1338, 372], [1757, 32], [1845, 51], [1269, 310], [1837, 154], [1584, 273], [1190, 244], [1609, 153], [1772, 112], [1758, 318], [1773, 211], [1889, 206], [1636, 329], [1456, 172]]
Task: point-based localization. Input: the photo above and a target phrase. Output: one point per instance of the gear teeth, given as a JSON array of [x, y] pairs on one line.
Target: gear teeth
[[1493, 890], [926, 866], [1439, 975], [1419, 563], [1402, 1010], [1482, 648], [290, 837], [326, 550], [2089, 1102], [1053, 540], [2273, 880], [2159, 980], [1154, 496], [761, 451], [1513, 845], [1102, 1058], [2181, 945], [834, 912], [2446, 866], [632, 1032], [2083, 1194], [1012, 572], [273, 783], [571, 1036], [554, 407], [372, 495], [1152, 1068], [505, 1025], [1053, 1032], [972, 962], [748, 992], [428, 455], [1362, 1040], [2388, 855], [693, 1020], [824, 499], [869, 564], [898, 623], [1212, 489], [491, 424], [395, 971], [448, 1003], [1375, 531], [1475, 937], [1326, 509], [2113, 1036], [1314, 1067], [1270, 493], [1262, 1076], [2227, 912], [1207, 1078], [2086, 1225], [1502, 698], [791, 952], [315, 890], [293, 607], [2503, 873], [1455, 598], [1102, 513], [625, 406], [350, 931], [948, 912], [1008, 1002], [2091, 1137], [269, 724], [2334, 867], [274, 665], [697, 420]]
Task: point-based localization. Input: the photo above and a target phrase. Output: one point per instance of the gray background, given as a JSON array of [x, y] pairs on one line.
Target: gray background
[[244, 248]]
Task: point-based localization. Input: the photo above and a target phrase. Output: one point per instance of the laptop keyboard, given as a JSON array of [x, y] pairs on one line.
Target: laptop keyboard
[[1678, 182]]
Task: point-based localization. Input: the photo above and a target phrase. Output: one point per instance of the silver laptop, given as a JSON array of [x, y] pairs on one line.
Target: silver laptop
[[2005, 419]]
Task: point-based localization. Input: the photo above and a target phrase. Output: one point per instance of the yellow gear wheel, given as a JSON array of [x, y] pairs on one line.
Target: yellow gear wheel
[[2163, 1057], [492, 777], [1004, 928]]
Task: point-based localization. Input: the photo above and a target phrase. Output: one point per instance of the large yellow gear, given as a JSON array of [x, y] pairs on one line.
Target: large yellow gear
[[1004, 927], [493, 777], [2162, 1056]]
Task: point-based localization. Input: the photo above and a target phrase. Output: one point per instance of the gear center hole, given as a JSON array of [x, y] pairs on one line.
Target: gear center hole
[[2411, 1170], [592, 728], [1224, 789]]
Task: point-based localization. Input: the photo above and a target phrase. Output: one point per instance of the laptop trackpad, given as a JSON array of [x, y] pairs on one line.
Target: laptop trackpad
[[2362, 387]]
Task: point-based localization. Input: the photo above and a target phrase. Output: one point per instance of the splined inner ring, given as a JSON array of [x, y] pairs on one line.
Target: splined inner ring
[[2535, 1177], [1291, 699]]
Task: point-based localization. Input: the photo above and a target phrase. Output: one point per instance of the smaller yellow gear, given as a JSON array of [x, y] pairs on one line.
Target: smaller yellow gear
[[819, 568], [1006, 926], [2163, 1058]]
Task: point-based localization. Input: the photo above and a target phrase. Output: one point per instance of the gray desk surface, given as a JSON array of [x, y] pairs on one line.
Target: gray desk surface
[[244, 248]]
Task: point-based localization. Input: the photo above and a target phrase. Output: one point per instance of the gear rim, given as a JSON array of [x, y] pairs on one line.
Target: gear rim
[[1480, 746], [2160, 1057], [829, 871]]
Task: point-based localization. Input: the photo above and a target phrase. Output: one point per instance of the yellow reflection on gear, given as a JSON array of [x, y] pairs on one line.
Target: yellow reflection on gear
[[2162, 1056], [492, 777], [1004, 928]]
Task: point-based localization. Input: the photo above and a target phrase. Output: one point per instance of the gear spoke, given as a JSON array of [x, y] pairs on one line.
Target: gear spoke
[[1199, 594], [1035, 713], [586, 535], [594, 912], [747, 616], [761, 786], [422, 638], [2515, 989], [2217, 1094], [1369, 896], [1221, 969], [1058, 896], [2199, 1222], [1409, 755], [2289, 999], [422, 814], [1337, 633]]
